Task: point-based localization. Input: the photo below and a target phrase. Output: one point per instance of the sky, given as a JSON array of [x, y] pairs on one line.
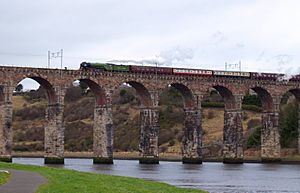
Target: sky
[[264, 35]]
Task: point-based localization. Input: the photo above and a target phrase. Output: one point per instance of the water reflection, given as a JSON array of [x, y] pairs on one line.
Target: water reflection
[[214, 177]]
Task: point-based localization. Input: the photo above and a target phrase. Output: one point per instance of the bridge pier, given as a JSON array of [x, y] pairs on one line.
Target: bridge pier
[[103, 135], [54, 134], [6, 112], [149, 135], [270, 137], [6, 131], [298, 127], [192, 138], [233, 137]]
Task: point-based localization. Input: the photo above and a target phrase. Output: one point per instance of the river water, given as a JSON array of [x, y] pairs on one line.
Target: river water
[[213, 177]]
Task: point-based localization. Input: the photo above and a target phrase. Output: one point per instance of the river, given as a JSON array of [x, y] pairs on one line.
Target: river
[[213, 177]]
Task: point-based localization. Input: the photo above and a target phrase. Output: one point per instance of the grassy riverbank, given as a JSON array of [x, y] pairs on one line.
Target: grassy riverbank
[[4, 177], [62, 180]]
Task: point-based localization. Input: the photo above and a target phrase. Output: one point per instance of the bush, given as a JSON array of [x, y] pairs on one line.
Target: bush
[[288, 124], [78, 136], [85, 106], [254, 140], [35, 95], [253, 123], [73, 93], [213, 104], [31, 113], [171, 143], [252, 108], [171, 97], [122, 92], [252, 100]]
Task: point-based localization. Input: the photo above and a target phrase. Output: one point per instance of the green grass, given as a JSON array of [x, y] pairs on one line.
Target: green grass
[[4, 177], [63, 180]]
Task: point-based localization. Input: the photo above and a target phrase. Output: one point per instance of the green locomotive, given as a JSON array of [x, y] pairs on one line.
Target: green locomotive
[[104, 67]]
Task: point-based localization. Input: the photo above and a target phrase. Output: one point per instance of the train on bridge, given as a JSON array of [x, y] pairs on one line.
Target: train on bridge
[[182, 71]]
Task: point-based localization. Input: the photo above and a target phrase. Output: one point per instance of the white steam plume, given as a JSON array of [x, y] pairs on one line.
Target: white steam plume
[[284, 62], [175, 56]]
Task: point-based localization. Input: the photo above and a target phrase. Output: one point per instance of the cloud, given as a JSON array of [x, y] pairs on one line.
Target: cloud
[[201, 34], [218, 37]]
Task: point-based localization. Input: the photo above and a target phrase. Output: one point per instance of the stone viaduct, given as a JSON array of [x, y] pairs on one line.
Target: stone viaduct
[[148, 88]]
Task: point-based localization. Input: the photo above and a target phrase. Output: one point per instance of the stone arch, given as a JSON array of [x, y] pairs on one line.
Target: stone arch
[[53, 127], [265, 97], [102, 121], [97, 90], [232, 146], [187, 95], [148, 117], [227, 95], [191, 130], [270, 138], [50, 91], [142, 92], [296, 93]]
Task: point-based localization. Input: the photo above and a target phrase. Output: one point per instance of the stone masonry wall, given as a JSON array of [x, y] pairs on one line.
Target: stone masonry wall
[[233, 135], [103, 132], [149, 132], [192, 138], [54, 132], [270, 138]]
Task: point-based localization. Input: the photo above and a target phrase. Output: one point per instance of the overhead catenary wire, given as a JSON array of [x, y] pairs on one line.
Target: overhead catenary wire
[[45, 55]]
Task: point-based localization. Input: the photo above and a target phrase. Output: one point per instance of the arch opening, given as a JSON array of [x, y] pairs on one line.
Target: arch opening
[[80, 100], [255, 101], [265, 98], [179, 121], [227, 97], [141, 92], [215, 103], [46, 85], [172, 101], [128, 101], [30, 99], [289, 122]]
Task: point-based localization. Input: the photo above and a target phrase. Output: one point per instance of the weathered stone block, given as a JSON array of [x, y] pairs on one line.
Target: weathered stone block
[[103, 134], [192, 138], [233, 137], [270, 137], [149, 133]]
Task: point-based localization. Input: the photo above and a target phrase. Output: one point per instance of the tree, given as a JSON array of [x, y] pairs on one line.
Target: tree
[[19, 88], [288, 124]]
